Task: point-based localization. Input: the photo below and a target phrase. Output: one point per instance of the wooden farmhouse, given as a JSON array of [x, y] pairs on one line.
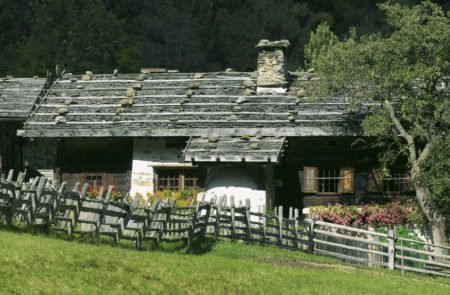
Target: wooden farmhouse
[[258, 135]]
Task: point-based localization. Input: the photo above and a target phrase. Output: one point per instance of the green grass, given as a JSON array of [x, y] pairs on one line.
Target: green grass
[[42, 264]]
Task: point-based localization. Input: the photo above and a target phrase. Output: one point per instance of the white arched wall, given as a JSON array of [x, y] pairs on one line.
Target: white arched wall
[[236, 181]]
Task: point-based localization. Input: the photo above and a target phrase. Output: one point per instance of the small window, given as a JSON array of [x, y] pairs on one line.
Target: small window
[[396, 182], [328, 180], [94, 180], [169, 180], [178, 179]]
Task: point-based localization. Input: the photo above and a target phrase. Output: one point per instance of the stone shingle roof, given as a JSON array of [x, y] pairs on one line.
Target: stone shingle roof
[[182, 104], [17, 96], [234, 149]]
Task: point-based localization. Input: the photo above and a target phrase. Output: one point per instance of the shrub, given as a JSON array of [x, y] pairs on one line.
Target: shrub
[[93, 192], [374, 215], [181, 198]]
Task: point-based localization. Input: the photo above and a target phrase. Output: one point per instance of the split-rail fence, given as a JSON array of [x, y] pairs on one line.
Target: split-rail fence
[[39, 204]]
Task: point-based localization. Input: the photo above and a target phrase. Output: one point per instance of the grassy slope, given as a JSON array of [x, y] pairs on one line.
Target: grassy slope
[[44, 264]]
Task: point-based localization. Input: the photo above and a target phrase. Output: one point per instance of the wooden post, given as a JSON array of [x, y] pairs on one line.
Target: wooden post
[[296, 243], [207, 215], [218, 216], [280, 225], [247, 216], [263, 221], [233, 225], [311, 236], [391, 249], [290, 226]]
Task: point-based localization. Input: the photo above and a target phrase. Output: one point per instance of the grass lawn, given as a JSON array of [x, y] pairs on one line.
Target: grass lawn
[[42, 264]]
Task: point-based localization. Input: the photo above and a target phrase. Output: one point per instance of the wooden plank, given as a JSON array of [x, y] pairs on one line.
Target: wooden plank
[[337, 245], [280, 225], [296, 216], [391, 249], [356, 239], [332, 225], [423, 243], [413, 269], [422, 252], [233, 221], [351, 258], [102, 131], [428, 262], [247, 217]]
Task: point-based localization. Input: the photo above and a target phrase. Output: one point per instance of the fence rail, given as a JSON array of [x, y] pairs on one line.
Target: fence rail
[[39, 204]]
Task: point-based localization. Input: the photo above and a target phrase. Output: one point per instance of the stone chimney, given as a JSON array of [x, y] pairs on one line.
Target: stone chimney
[[272, 66]]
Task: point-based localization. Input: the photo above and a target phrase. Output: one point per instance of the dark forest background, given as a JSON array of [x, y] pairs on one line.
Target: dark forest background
[[196, 35]]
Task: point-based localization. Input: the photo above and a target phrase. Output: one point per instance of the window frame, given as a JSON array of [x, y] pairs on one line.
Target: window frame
[[94, 179], [398, 183], [181, 178], [317, 182]]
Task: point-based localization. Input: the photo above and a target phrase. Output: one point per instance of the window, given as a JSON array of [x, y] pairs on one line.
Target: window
[[94, 180], [396, 182], [177, 179], [328, 180]]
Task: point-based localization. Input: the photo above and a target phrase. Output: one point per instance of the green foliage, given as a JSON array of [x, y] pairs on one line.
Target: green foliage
[[77, 35], [182, 198], [200, 35], [320, 41], [377, 124], [403, 72], [436, 174]]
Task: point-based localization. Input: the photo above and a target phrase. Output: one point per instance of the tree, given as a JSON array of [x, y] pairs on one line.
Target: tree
[[320, 41], [78, 35], [403, 72], [15, 19]]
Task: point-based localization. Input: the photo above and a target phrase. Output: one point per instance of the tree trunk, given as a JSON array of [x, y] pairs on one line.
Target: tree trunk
[[435, 218]]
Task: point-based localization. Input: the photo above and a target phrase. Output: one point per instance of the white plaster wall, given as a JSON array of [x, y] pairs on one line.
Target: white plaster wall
[[147, 154], [237, 182], [224, 180]]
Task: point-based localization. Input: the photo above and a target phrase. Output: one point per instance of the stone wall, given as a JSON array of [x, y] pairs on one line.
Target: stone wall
[[272, 64]]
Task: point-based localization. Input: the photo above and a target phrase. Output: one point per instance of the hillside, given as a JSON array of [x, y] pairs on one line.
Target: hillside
[[47, 264]]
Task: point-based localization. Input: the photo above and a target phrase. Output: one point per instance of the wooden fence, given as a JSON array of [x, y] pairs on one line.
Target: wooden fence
[[70, 210]]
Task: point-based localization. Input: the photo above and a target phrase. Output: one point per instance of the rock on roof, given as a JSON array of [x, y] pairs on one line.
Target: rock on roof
[[182, 104], [17, 96]]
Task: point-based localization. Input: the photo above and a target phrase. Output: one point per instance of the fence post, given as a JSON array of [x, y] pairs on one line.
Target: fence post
[[296, 227], [311, 236], [233, 225], [280, 225], [263, 221], [248, 217], [391, 248]]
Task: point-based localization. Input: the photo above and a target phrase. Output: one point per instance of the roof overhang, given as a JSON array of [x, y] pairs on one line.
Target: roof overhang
[[234, 149]]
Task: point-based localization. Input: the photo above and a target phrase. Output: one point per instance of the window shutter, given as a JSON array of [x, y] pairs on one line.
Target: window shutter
[[310, 183], [375, 180], [346, 181], [82, 179]]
